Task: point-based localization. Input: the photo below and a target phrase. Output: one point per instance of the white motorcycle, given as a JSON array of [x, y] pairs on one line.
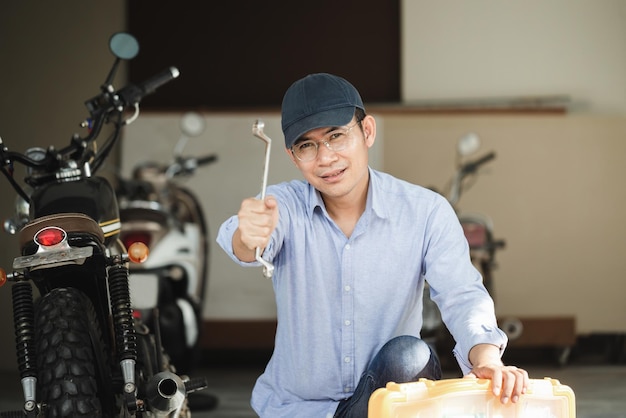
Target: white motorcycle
[[157, 210]]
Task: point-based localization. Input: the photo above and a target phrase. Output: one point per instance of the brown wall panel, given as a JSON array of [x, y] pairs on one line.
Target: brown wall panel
[[246, 53]]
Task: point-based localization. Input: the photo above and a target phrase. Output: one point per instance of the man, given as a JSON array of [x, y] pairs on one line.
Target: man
[[351, 248]]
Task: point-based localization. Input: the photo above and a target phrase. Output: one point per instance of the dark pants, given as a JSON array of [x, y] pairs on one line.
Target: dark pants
[[402, 359]]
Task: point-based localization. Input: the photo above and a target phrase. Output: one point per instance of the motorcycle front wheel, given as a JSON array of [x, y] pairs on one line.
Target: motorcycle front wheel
[[67, 384]]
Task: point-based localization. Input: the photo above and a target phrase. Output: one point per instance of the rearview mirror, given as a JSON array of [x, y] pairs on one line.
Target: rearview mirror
[[468, 144], [124, 45]]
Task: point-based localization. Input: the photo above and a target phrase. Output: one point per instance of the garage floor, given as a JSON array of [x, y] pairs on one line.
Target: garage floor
[[600, 390], [599, 387]]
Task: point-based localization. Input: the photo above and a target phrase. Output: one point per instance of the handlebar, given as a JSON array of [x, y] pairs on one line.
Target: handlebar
[[107, 107], [134, 93], [208, 159], [463, 171], [152, 177], [99, 107], [187, 166], [472, 166]]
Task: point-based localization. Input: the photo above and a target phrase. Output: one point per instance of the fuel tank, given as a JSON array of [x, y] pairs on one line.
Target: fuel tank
[[91, 196]]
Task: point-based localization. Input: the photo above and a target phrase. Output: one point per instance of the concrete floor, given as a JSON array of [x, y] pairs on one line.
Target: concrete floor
[[599, 387], [600, 390]]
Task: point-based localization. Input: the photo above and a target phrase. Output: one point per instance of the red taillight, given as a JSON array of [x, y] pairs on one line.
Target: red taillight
[[50, 236], [133, 237]]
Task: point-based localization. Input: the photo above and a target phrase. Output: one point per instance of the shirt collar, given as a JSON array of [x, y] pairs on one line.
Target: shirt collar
[[375, 202], [375, 198]]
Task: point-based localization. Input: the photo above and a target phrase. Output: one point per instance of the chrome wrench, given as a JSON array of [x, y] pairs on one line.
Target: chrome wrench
[[257, 130]]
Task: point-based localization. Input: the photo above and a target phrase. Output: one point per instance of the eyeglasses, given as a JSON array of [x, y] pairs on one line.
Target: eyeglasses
[[335, 140]]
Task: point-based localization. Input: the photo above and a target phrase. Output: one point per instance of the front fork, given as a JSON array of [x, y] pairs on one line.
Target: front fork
[[125, 337]]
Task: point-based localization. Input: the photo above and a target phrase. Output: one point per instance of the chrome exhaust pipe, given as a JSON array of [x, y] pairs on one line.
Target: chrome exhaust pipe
[[165, 393]]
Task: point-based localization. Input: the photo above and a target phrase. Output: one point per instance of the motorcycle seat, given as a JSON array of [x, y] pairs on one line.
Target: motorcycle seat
[[69, 222]]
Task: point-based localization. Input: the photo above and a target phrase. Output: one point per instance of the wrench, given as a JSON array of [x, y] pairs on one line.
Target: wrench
[[257, 130]]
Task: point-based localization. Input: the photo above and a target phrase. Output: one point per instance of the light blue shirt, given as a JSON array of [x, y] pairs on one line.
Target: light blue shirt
[[339, 299]]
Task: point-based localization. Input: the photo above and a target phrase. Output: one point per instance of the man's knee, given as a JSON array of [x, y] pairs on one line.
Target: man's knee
[[407, 358], [408, 350]]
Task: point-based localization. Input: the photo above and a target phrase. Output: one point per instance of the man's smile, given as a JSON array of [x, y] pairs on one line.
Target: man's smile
[[333, 175]]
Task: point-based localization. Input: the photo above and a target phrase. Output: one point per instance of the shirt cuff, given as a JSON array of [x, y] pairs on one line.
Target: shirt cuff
[[495, 337]]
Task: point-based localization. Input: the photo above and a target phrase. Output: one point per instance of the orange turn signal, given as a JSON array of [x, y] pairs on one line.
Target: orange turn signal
[[3, 277], [138, 252]]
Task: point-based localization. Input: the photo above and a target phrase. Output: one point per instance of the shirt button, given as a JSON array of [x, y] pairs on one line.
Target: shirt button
[[347, 246], [347, 322], [346, 359], [347, 288], [347, 389]]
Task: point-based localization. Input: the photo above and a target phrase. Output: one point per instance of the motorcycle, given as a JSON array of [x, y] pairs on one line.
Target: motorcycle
[[81, 351], [167, 217], [478, 230]]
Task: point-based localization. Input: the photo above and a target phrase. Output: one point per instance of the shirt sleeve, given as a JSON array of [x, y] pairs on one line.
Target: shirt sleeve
[[457, 287], [225, 240]]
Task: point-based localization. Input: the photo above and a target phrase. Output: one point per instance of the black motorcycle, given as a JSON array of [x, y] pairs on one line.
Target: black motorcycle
[[81, 351]]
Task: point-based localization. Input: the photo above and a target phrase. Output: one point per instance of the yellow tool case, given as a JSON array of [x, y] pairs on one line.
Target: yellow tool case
[[470, 398]]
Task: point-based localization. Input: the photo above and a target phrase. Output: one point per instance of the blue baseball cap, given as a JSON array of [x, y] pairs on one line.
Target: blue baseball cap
[[316, 101]]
